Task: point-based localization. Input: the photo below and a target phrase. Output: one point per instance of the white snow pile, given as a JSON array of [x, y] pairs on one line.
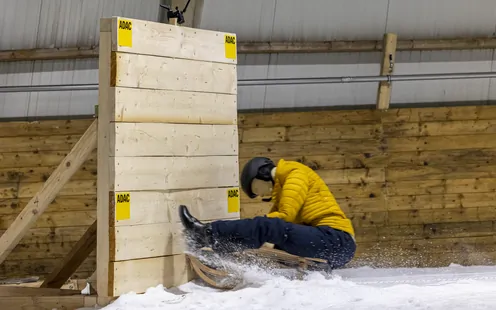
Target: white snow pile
[[452, 288]]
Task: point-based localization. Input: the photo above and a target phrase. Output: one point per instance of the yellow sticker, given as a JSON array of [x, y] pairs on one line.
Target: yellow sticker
[[230, 46], [122, 206], [233, 200], [125, 33]]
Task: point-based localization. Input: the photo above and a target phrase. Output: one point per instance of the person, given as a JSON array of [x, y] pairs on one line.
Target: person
[[305, 219]]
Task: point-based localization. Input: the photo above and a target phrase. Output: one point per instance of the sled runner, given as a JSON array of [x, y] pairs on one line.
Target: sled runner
[[218, 275]]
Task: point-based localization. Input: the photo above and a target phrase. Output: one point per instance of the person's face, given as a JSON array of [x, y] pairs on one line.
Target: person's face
[[261, 188]]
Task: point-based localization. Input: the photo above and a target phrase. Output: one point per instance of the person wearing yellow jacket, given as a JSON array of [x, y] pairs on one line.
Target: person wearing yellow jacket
[[304, 220]]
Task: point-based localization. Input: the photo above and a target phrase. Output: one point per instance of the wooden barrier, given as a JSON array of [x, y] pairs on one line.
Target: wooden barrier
[[418, 183], [168, 135]]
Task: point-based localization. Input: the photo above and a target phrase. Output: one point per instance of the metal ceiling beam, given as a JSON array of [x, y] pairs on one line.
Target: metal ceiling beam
[[276, 47]]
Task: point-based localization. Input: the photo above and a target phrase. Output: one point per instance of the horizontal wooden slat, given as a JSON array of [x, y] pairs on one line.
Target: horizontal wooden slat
[[168, 173], [448, 128], [441, 143], [392, 259], [314, 118], [311, 133], [429, 187], [52, 234], [443, 157], [143, 241], [470, 112], [412, 217], [41, 174], [156, 139], [58, 219], [141, 71], [442, 201], [342, 191], [38, 143], [400, 115], [60, 204], [28, 190], [440, 172], [346, 176], [160, 39], [305, 148], [448, 245], [29, 267], [44, 128], [169, 106], [421, 231], [41, 250], [139, 275], [332, 161], [150, 207], [37, 159]]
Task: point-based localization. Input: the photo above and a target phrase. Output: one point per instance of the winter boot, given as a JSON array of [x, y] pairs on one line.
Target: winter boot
[[198, 233]]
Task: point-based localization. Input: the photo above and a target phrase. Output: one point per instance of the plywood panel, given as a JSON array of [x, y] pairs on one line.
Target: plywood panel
[[150, 207], [143, 241], [170, 106], [156, 173], [142, 71], [157, 139], [138, 275], [160, 39]]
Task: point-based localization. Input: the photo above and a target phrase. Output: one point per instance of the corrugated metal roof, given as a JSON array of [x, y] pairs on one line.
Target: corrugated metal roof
[[69, 23], [315, 20], [28, 24]]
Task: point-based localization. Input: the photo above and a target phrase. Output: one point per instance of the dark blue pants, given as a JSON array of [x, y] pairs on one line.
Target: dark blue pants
[[335, 246]]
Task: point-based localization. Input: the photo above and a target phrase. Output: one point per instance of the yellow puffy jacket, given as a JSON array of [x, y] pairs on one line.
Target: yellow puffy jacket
[[300, 196]]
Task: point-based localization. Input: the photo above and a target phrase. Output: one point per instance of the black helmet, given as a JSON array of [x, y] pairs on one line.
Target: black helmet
[[257, 167]]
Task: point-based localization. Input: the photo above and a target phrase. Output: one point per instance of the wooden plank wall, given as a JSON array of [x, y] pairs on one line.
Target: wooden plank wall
[[420, 184], [29, 152]]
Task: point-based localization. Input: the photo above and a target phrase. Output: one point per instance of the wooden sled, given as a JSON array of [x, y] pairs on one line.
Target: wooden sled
[[223, 278]]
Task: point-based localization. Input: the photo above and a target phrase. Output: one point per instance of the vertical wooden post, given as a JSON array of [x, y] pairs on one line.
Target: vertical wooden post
[[387, 68]]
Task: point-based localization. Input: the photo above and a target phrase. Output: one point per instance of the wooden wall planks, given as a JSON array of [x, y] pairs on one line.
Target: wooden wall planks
[[419, 184]]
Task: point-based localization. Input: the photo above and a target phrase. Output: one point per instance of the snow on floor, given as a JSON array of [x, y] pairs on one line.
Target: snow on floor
[[452, 288]]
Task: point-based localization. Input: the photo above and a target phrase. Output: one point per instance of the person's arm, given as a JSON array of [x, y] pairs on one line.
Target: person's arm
[[293, 195]]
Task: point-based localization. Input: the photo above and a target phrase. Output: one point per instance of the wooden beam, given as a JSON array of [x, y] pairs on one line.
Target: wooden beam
[[73, 260], [49, 54], [54, 302], [39, 203], [387, 68], [11, 291], [276, 47]]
